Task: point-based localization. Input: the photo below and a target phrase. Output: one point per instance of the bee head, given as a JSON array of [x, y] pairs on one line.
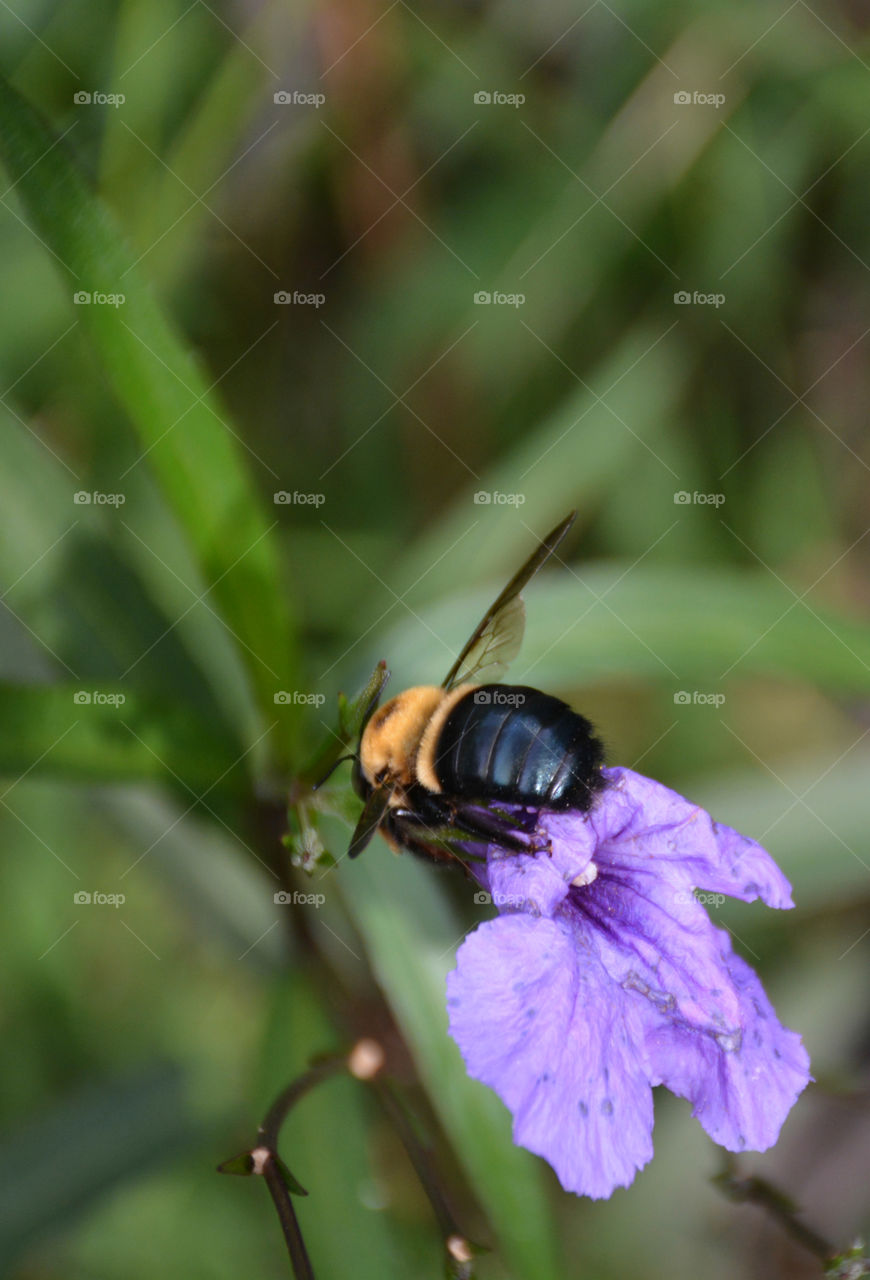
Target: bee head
[[390, 740]]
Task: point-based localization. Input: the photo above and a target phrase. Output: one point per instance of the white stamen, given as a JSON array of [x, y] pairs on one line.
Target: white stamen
[[586, 876]]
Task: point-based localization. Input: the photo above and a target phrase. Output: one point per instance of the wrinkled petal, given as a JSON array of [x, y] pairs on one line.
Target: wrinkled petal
[[652, 829], [741, 1088], [538, 883], [657, 942], [560, 1044]]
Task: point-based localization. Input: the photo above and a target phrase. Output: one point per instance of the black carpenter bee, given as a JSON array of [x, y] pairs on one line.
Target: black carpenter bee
[[433, 763]]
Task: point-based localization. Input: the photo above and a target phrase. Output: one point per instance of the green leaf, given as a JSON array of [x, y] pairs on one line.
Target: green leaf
[[673, 624], [213, 874], [79, 1150], [191, 446], [85, 595], [109, 734], [205, 148], [571, 459], [813, 814]]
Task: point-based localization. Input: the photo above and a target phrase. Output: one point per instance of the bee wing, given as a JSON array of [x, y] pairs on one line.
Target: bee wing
[[370, 819], [496, 640], [493, 649]]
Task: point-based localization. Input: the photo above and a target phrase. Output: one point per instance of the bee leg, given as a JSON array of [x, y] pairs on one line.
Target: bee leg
[[484, 826]]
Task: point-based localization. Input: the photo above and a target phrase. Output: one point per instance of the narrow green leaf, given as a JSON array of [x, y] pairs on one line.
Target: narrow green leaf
[[109, 735], [671, 624], [192, 447], [79, 1150], [571, 459], [212, 871]]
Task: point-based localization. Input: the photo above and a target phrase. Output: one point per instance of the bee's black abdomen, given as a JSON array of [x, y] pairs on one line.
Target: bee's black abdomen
[[513, 743]]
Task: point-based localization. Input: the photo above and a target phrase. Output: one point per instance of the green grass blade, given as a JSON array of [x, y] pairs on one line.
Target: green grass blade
[[190, 444]]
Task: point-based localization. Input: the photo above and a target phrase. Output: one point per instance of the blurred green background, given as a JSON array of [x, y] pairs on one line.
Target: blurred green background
[[713, 620]]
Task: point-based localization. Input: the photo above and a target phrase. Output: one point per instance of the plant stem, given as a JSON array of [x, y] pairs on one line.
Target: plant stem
[[759, 1191]]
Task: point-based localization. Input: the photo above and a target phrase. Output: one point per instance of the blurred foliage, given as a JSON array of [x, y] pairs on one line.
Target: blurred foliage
[[174, 646]]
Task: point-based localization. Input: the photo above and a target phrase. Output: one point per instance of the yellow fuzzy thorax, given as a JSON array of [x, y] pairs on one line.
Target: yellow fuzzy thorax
[[398, 744]]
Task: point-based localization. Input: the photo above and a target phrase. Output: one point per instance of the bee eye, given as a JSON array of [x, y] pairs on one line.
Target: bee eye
[[381, 775]]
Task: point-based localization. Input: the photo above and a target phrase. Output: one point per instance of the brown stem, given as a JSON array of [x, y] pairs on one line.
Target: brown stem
[[759, 1191], [364, 1063], [283, 1203]]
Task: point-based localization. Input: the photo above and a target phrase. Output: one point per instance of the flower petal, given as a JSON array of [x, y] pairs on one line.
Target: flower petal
[[539, 1021], [657, 943], [539, 882], [651, 827], [741, 1088]]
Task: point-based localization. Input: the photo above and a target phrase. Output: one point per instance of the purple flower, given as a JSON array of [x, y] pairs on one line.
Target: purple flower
[[603, 976]]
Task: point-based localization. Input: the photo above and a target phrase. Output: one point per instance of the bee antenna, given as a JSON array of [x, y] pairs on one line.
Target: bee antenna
[[331, 770]]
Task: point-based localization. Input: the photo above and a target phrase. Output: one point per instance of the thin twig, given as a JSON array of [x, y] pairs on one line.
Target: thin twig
[[364, 1063], [759, 1191]]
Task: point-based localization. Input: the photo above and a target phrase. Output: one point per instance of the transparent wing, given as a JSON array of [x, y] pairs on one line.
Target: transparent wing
[[495, 648], [496, 640], [373, 814]]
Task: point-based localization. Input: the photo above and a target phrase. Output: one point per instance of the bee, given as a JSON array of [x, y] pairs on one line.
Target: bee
[[434, 764]]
